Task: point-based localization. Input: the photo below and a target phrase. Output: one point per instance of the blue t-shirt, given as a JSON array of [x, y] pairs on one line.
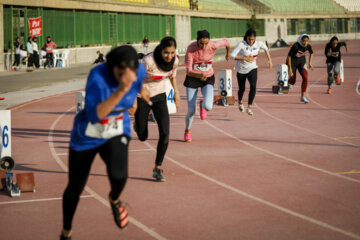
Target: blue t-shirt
[[100, 85]]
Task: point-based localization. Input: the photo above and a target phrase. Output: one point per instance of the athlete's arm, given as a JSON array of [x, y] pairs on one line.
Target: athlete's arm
[[310, 61], [269, 58], [105, 107], [227, 57], [289, 64]]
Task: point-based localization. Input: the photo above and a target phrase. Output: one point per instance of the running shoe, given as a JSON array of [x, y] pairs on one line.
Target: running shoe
[[249, 111], [157, 174], [120, 214], [202, 111], [304, 100], [187, 137], [62, 237], [241, 107], [329, 91]]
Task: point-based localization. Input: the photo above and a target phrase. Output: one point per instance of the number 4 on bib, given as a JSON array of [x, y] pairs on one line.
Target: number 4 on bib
[[170, 97]]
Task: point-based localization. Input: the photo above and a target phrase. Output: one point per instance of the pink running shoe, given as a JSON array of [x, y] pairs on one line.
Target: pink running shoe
[[187, 137], [202, 111]]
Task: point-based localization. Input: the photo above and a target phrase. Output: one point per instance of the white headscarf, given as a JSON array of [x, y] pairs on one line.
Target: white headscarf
[[301, 37]]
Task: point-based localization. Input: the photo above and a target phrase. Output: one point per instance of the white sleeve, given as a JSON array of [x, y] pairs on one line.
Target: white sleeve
[[236, 50], [263, 46]]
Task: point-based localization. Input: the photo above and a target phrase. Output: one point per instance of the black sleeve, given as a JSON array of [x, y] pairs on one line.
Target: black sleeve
[[342, 44], [293, 50], [310, 49]]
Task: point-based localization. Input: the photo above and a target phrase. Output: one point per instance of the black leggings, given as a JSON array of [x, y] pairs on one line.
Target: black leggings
[[161, 114], [115, 155], [252, 78], [17, 60]]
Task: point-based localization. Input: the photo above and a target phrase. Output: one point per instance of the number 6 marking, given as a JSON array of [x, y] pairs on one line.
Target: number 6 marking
[[5, 137]]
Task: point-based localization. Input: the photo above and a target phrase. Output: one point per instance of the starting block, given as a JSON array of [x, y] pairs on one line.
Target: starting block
[[342, 71], [282, 78], [79, 101], [25, 182], [218, 100], [225, 96], [225, 81], [7, 163], [282, 75]]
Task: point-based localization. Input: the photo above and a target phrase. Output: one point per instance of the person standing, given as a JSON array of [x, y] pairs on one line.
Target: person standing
[[17, 53], [146, 44], [296, 61], [161, 66], [245, 53], [200, 74], [103, 127], [30, 52], [36, 53], [49, 46], [333, 61]]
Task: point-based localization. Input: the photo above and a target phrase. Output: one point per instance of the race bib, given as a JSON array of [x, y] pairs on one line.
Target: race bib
[[203, 67], [335, 54], [107, 128], [48, 48]]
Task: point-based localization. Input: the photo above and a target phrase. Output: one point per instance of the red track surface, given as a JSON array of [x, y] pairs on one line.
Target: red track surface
[[275, 175]]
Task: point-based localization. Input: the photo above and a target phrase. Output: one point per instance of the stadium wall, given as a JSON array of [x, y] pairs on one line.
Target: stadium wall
[[102, 24]]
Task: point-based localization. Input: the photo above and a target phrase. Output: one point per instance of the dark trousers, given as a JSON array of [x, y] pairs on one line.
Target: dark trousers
[[17, 60], [36, 59], [161, 114], [115, 155], [49, 60], [252, 78], [300, 65], [31, 60]]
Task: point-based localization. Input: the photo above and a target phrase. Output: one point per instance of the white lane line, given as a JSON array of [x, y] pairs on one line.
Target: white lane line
[[357, 88], [40, 200], [275, 95], [322, 106], [280, 156], [140, 150], [301, 128], [88, 189], [134, 150], [260, 200]]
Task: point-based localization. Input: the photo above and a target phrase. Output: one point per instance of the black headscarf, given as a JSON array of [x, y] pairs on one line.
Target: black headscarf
[[202, 34], [160, 62]]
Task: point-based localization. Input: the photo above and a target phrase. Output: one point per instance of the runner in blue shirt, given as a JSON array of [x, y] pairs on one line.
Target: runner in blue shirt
[[103, 127]]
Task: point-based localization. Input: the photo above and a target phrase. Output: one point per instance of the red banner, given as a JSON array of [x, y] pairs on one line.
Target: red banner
[[35, 27]]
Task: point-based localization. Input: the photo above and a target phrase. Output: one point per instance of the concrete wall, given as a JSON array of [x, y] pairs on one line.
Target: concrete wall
[[183, 31], [275, 28], [1, 38], [324, 37]]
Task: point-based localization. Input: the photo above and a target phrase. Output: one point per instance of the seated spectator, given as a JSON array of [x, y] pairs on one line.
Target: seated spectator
[[100, 58]]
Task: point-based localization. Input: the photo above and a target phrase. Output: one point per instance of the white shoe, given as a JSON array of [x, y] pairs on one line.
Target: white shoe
[[241, 107], [249, 111]]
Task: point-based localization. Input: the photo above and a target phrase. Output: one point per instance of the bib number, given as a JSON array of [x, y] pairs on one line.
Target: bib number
[[203, 67], [107, 128]]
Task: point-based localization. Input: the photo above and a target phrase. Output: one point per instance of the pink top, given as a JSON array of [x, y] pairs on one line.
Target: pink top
[[155, 77], [49, 46], [200, 60]]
